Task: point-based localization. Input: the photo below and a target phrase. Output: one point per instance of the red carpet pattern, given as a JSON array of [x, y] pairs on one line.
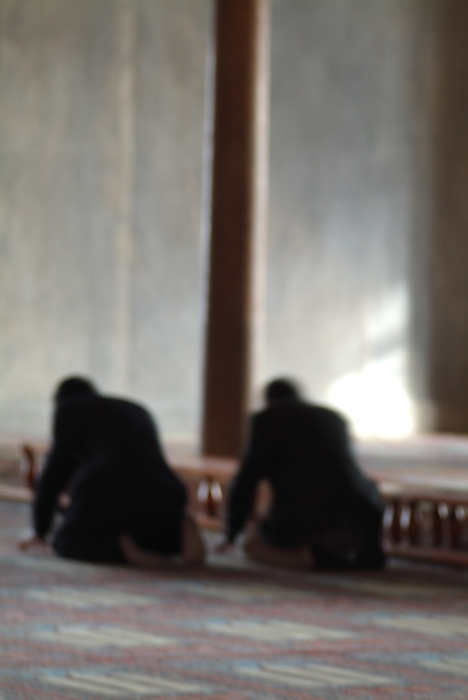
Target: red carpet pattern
[[73, 631]]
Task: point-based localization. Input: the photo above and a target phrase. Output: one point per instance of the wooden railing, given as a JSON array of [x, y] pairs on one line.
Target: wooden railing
[[425, 523], [420, 522]]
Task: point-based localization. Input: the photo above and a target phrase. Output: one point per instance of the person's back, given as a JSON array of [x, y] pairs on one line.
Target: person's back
[[107, 453], [118, 428], [105, 433], [320, 496]]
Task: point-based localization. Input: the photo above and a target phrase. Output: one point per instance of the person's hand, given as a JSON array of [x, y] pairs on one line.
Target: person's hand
[[32, 542], [223, 547]]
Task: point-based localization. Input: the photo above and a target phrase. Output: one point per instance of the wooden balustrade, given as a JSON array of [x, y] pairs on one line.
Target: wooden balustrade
[[426, 524], [419, 523]]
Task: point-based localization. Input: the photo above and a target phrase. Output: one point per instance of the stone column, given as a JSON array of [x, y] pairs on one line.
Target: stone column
[[238, 221], [448, 246]]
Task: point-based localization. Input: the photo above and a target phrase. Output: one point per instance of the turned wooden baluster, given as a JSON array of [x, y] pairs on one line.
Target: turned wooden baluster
[[437, 526], [216, 495], [210, 496], [463, 523], [31, 471], [202, 495], [456, 518], [414, 523], [387, 523], [426, 512], [405, 515], [395, 529]]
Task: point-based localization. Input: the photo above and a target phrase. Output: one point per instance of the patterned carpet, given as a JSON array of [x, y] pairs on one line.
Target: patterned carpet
[[228, 632]]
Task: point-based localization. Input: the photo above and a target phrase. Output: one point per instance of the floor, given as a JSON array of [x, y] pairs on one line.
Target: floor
[[229, 631]]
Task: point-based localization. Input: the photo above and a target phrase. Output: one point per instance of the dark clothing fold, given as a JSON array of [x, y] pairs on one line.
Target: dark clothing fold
[[321, 498], [106, 452]]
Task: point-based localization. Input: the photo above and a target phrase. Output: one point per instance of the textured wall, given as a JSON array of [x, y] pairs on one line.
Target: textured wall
[[168, 179], [352, 85], [101, 128], [101, 131]]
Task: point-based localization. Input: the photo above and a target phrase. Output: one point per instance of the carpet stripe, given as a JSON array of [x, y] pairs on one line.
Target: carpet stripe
[[122, 684], [247, 594], [96, 637], [313, 676], [277, 631], [76, 684], [85, 598], [441, 625], [453, 666]]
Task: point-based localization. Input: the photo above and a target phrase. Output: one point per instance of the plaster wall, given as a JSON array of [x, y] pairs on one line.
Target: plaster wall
[[102, 119], [101, 137], [350, 203]]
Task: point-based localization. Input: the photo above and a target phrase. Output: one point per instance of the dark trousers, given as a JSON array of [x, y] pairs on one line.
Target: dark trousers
[[92, 534], [339, 548], [369, 555]]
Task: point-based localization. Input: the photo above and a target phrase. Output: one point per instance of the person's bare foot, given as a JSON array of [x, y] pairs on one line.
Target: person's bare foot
[[193, 547], [141, 558], [34, 543]]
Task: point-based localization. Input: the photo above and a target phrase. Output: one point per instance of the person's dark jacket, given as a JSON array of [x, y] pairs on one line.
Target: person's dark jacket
[[107, 454], [303, 450]]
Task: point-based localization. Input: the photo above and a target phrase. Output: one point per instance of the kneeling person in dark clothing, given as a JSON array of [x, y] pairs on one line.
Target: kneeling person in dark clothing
[[325, 512], [126, 503]]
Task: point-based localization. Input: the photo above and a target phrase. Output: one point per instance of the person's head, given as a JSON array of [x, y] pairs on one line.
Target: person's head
[[74, 387], [281, 390]]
